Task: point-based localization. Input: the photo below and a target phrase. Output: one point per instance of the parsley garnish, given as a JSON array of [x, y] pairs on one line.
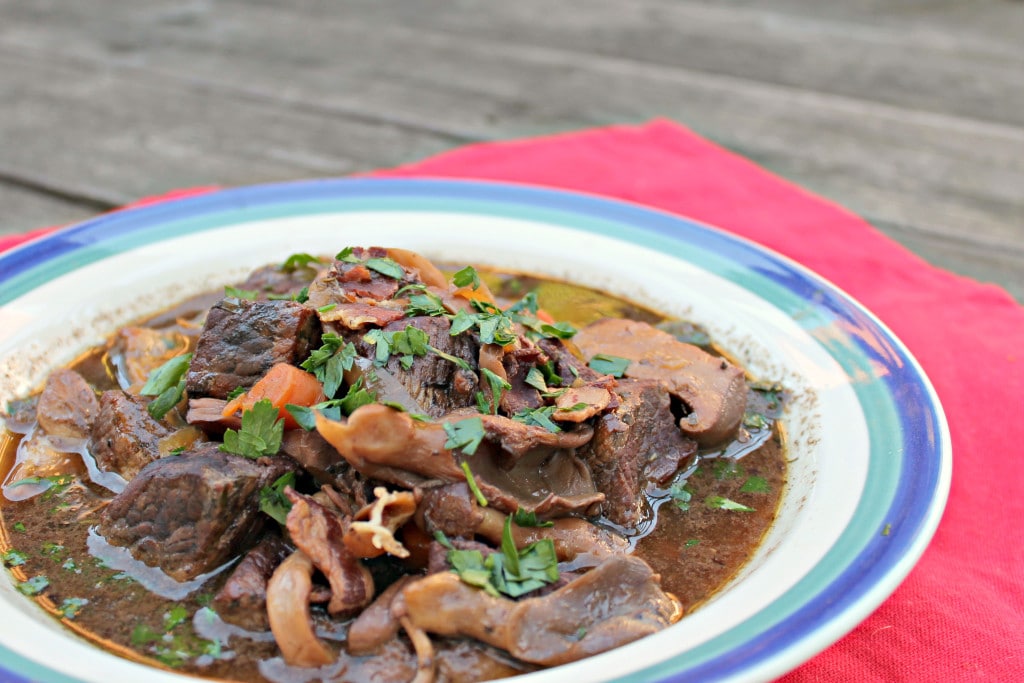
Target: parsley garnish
[[329, 363], [235, 393], [755, 421], [250, 294], [681, 495], [70, 607], [535, 378], [467, 277], [15, 558], [609, 365], [260, 435], [692, 542], [539, 417], [755, 485], [497, 386], [465, 434], [512, 571], [451, 359], [167, 383], [272, 498], [54, 484], [528, 518], [720, 503], [33, 586], [426, 303], [495, 327], [481, 500], [385, 266], [296, 261], [346, 255]]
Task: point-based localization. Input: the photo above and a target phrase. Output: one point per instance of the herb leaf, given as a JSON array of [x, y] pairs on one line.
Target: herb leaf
[[497, 386], [609, 365], [720, 503], [481, 500], [272, 498], [260, 434], [166, 376], [528, 519], [540, 417], [467, 277], [386, 266], [296, 261], [249, 294], [465, 434], [329, 363], [755, 485]]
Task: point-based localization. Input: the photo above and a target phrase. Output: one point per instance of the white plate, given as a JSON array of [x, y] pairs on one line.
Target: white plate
[[870, 446]]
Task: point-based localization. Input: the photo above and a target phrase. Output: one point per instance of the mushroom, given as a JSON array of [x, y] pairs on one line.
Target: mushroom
[[319, 531], [288, 612], [712, 388], [372, 531]]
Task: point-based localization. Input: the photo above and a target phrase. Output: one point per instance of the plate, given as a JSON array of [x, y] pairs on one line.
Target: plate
[[870, 449]]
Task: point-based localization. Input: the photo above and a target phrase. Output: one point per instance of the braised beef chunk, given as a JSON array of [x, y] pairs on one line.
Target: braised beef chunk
[[67, 406], [450, 509], [640, 433], [565, 364], [517, 366], [437, 385], [124, 437], [191, 513], [242, 340], [242, 600]]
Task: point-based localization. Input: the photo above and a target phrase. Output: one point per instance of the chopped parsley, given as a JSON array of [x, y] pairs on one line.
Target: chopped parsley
[[272, 498], [755, 421], [177, 615], [55, 483], [235, 393], [497, 386], [481, 500], [260, 434], [607, 364], [425, 303], [467, 277], [19, 527], [167, 383], [526, 518], [726, 468], [297, 261], [721, 503], [539, 417], [512, 571], [70, 607], [249, 294], [692, 542], [755, 485], [33, 586], [385, 266], [15, 558], [329, 363], [465, 435], [535, 379], [681, 495]]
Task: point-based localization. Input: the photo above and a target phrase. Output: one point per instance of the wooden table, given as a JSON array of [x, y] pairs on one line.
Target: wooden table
[[909, 113]]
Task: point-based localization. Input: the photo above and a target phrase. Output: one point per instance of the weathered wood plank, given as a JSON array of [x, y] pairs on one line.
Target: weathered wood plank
[[23, 209], [940, 173]]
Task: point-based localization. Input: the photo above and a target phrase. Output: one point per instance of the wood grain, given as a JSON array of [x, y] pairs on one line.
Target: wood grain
[[910, 114]]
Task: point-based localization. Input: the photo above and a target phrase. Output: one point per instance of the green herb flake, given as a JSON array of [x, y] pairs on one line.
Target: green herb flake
[[609, 365], [176, 616], [539, 417], [235, 393], [33, 586], [466, 434], [15, 558], [561, 330], [69, 565], [329, 362], [166, 376], [326, 308], [481, 500], [19, 527], [887, 529], [297, 261], [692, 542], [381, 341], [721, 503], [467, 277], [144, 635], [70, 607], [235, 292], [273, 501], [497, 385], [681, 495], [53, 548], [346, 256], [755, 421], [726, 468], [755, 485], [512, 571], [204, 599], [526, 518], [535, 379], [426, 303], [260, 435], [440, 537], [451, 359], [386, 266]]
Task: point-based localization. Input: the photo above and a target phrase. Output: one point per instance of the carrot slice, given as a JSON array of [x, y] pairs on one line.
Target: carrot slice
[[283, 384]]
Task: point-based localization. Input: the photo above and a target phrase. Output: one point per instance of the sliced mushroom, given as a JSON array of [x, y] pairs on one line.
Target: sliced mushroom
[[319, 531], [288, 612], [712, 388], [372, 531]]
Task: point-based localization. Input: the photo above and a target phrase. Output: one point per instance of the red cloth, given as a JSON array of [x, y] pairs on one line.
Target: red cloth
[[960, 613]]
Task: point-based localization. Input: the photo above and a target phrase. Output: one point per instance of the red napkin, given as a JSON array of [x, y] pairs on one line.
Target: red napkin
[[960, 613]]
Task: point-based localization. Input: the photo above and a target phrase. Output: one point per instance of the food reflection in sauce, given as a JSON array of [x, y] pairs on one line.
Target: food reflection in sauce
[[375, 469]]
